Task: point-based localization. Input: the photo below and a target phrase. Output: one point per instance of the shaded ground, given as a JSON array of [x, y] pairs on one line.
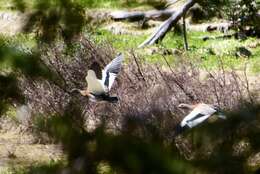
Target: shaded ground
[[20, 149]]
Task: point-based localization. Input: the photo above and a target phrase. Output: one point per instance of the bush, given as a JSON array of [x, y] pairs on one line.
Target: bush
[[145, 91], [243, 14]]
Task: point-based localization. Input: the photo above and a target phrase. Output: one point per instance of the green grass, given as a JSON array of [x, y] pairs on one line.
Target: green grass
[[209, 53], [45, 168], [122, 42], [103, 4], [27, 40], [22, 42], [113, 4], [106, 4], [11, 113]]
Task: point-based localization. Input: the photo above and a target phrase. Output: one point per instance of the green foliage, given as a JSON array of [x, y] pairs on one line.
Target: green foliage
[[13, 62], [17, 59], [49, 168], [52, 18], [213, 7], [20, 5], [242, 13], [9, 92], [24, 5]]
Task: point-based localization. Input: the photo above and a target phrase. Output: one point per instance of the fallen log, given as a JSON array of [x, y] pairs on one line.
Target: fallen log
[[139, 15], [159, 34], [209, 27], [242, 35]]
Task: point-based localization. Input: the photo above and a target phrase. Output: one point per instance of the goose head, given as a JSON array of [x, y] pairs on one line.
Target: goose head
[[185, 106]]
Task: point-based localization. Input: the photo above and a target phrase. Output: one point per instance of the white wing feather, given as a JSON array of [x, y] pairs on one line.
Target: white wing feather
[[203, 109], [111, 70], [197, 121], [190, 116]]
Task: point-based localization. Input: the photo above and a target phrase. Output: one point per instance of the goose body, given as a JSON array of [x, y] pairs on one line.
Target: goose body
[[95, 86], [98, 89], [200, 113]]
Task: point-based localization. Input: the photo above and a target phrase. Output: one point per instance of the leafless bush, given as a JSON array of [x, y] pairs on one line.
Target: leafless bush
[[147, 93]]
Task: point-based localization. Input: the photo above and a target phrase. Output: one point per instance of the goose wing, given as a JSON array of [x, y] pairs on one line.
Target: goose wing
[[198, 115], [199, 119], [111, 70], [94, 85], [206, 109]]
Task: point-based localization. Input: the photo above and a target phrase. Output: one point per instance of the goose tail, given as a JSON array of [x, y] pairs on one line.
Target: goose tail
[[111, 99], [179, 130]]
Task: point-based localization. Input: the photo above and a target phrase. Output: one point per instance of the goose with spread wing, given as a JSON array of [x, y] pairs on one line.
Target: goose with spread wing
[[98, 89], [200, 113]]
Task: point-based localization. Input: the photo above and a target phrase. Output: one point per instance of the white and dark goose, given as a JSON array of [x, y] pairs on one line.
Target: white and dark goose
[[98, 89], [200, 112]]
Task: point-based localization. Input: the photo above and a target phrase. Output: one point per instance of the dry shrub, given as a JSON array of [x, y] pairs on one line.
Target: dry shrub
[[148, 95]]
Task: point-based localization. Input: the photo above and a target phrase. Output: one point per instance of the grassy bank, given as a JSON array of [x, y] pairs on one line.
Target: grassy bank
[[210, 53]]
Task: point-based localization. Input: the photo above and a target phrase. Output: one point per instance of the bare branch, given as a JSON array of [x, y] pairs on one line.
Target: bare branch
[[159, 34], [139, 15]]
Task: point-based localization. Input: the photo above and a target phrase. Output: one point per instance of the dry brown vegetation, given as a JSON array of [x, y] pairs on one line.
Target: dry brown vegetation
[[147, 109], [145, 91], [134, 135]]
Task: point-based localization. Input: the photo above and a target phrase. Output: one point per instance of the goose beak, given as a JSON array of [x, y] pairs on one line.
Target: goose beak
[[84, 92], [180, 106], [118, 54]]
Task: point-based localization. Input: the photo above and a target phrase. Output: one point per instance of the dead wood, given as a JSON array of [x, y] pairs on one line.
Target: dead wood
[[160, 15], [159, 34]]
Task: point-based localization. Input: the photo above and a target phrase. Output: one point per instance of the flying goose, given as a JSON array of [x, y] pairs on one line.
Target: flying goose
[[200, 112], [98, 89]]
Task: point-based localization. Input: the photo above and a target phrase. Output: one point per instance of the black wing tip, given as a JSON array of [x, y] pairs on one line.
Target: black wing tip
[[112, 99], [119, 55], [179, 129]]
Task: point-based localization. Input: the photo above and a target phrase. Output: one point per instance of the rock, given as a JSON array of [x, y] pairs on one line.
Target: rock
[[211, 51], [253, 162], [241, 36], [167, 52], [211, 28], [162, 51], [254, 44], [241, 148], [152, 50], [176, 52], [205, 38], [23, 114], [242, 52]]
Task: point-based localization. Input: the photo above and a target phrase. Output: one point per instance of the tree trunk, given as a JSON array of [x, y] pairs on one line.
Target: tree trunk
[[159, 34], [184, 33], [138, 15]]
